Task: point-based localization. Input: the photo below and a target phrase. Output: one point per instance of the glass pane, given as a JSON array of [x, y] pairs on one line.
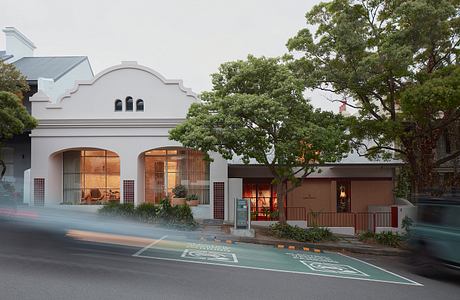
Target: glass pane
[[113, 181], [110, 153], [113, 165], [156, 152], [94, 165], [94, 180], [94, 153], [71, 161]]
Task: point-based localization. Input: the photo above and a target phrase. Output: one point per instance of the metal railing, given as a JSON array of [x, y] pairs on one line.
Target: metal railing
[[361, 221]]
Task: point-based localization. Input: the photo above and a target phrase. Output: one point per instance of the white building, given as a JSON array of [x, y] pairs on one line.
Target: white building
[[107, 140]]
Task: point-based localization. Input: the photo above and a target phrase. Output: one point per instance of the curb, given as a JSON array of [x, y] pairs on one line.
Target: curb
[[310, 247]]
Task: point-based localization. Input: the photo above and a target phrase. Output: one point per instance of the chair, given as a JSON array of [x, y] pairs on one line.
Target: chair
[[96, 195]]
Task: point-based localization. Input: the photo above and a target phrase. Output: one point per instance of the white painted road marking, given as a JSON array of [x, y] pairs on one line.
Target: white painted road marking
[[333, 268], [138, 253], [382, 269], [209, 255]]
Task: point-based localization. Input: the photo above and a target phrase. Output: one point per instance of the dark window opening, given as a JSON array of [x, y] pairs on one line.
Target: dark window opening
[[118, 105], [129, 104], [140, 105]]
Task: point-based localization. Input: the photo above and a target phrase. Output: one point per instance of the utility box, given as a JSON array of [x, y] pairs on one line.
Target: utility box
[[242, 218]]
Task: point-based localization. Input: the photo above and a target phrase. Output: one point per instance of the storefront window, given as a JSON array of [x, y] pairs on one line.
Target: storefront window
[[91, 177], [167, 168], [262, 194]]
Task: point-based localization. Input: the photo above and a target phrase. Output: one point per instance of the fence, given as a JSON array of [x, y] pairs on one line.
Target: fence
[[361, 221]]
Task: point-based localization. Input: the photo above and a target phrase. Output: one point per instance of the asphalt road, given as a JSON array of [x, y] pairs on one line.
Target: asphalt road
[[43, 262]]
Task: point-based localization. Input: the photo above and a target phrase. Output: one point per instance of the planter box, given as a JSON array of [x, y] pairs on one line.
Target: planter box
[[193, 202], [177, 201]]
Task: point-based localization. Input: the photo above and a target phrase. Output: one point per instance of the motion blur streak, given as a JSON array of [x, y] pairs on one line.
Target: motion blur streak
[[99, 237]]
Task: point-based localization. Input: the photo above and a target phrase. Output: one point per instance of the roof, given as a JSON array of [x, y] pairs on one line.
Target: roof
[[53, 67], [4, 56]]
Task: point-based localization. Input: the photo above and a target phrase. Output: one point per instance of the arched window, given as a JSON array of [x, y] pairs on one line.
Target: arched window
[[140, 105], [129, 103], [118, 105]]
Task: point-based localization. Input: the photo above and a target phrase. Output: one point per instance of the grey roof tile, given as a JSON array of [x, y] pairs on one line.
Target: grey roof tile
[[53, 67]]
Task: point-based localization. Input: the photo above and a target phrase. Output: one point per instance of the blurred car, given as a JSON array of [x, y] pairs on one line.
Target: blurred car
[[435, 238]]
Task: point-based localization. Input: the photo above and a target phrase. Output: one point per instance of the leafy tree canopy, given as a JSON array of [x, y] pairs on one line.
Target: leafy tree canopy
[[11, 80], [398, 59], [256, 110]]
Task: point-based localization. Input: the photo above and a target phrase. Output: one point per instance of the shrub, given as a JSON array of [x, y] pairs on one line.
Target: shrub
[[386, 238], [147, 212], [314, 234], [180, 191], [192, 197], [179, 216]]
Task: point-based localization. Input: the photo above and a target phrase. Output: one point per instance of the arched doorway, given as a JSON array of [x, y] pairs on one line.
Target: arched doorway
[[166, 168], [90, 176]]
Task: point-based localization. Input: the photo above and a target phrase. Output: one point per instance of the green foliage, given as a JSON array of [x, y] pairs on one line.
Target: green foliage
[[192, 197], [164, 214], [179, 191], [14, 120], [398, 62], [407, 223], [11, 80], [314, 234], [386, 238], [403, 184], [257, 111]]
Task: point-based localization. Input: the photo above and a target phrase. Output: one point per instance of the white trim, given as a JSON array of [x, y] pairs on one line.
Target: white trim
[[148, 246], [382, 269]]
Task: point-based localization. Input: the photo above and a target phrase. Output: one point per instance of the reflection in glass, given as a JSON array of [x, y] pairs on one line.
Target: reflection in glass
[[91, 177], [165, 169]]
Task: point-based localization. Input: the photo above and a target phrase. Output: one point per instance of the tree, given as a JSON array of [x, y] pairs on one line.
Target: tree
[[256, 110], [399, 61], [11, 80], [14, 119]]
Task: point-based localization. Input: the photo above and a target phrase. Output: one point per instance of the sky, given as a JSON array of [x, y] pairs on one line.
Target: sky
[[181, 39]]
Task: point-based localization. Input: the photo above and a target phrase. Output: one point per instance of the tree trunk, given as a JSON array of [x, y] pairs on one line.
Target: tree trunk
[[280, 191], [2, 164]]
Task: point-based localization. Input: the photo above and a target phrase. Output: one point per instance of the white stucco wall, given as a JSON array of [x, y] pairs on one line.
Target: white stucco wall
[[85, 118], [235, 191]]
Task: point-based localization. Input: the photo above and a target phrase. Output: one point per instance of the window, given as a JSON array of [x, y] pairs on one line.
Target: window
[[262, 194], [129, 103], [118, 105], [140, 105], [91, 177], [167, 168]]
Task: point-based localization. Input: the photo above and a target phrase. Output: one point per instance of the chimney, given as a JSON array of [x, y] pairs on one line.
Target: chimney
[[17, 44]]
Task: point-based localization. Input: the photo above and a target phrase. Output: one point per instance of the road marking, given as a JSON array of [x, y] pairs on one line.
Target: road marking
[[382, 269], [209, 255], [333, 268], [280, 271], [138, 253]]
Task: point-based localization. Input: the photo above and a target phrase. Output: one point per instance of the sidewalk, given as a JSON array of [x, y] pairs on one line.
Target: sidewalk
[[344, 244]]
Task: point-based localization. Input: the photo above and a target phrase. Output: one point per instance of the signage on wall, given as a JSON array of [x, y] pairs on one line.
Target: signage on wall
[[242, 214]]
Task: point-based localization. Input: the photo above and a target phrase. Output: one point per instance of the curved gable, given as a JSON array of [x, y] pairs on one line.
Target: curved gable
[[95, 99]]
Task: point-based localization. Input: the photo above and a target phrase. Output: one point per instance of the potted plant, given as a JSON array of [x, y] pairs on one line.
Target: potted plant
[[180, 192], [192, 200]]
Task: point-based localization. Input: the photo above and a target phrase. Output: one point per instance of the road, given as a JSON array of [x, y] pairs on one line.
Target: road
[[65, 260]]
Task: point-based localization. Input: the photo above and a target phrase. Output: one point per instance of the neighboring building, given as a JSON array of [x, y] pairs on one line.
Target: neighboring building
[[52, 75], [108, 140]]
